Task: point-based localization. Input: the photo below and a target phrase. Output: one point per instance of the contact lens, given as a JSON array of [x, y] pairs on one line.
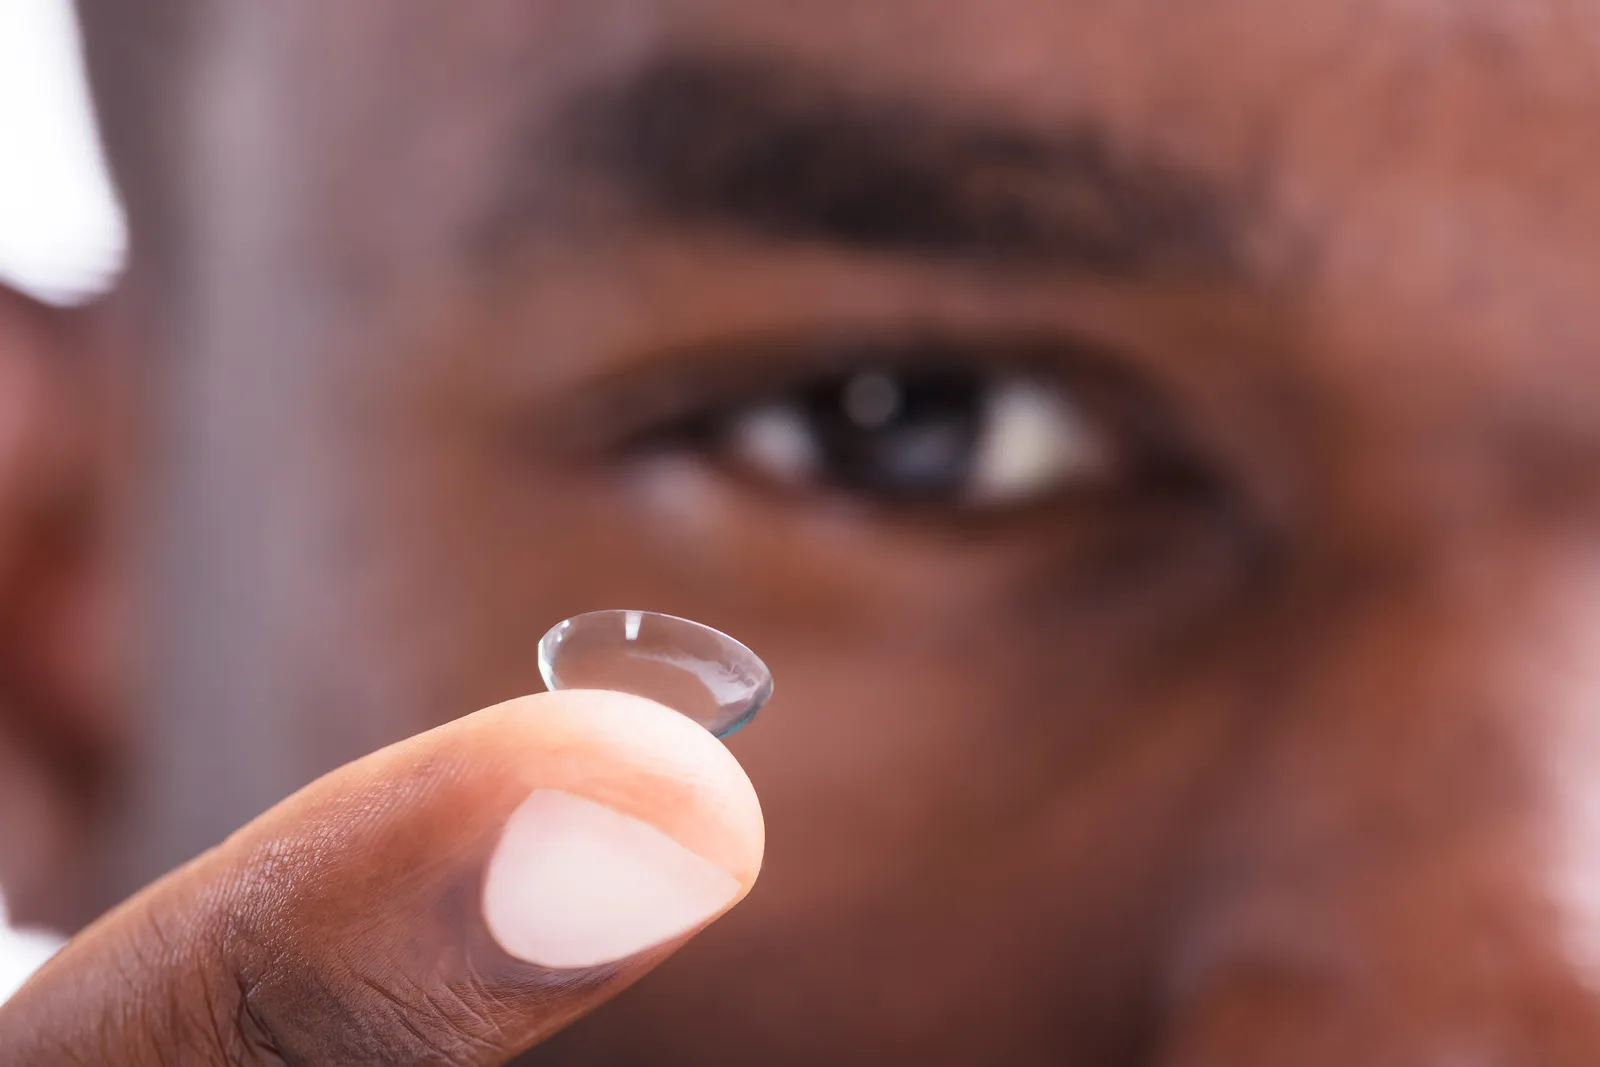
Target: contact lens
[[688, 666]]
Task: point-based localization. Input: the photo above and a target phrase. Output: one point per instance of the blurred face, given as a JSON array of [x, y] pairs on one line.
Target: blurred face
[[1154, 448]]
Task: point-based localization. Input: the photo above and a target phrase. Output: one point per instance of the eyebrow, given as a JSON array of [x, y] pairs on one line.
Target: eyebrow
[[775, 152]]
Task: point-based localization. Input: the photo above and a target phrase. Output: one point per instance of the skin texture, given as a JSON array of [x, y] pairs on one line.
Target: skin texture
[[1291, 759]]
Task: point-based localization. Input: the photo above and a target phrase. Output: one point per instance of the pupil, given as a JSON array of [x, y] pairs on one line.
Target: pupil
[[906, 435]]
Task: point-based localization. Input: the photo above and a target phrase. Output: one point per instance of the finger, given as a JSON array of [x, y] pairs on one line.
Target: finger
[[450, 900]]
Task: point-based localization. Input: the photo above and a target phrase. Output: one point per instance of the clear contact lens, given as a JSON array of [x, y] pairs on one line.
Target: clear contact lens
[[688, 666]]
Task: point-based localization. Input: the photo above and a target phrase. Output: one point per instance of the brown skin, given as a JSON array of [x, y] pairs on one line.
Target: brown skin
[[1291, 761]]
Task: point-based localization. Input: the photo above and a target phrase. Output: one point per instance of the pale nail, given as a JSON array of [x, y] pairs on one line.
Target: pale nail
[[574, 883]]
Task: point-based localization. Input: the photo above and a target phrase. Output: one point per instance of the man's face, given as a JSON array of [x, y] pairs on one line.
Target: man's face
[[1152, 445]]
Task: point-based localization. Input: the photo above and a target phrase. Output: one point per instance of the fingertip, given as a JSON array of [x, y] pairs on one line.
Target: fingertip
[[640, 827], [644, 760]]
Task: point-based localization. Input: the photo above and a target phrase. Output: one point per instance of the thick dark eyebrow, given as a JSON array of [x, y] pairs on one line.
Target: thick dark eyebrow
[[775, 152]]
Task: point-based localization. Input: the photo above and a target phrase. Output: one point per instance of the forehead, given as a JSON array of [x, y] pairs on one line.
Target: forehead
[[1241, 68], [1412, 166]]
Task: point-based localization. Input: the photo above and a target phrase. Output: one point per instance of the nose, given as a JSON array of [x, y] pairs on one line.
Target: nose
[[1407, 870]]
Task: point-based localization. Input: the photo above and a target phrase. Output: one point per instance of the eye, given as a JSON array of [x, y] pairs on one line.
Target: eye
[[971, 423], [909, 434]]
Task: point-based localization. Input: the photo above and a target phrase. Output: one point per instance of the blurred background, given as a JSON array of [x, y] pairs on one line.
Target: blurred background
[[61, 235]]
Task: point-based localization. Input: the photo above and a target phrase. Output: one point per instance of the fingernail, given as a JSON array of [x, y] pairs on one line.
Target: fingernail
[[574, 883]]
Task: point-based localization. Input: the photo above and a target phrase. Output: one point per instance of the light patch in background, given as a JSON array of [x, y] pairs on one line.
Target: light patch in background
[[21, 951], [61, 232]]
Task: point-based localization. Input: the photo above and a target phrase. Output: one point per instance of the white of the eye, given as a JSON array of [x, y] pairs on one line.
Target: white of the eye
[[1032, 440], [776, 440]]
